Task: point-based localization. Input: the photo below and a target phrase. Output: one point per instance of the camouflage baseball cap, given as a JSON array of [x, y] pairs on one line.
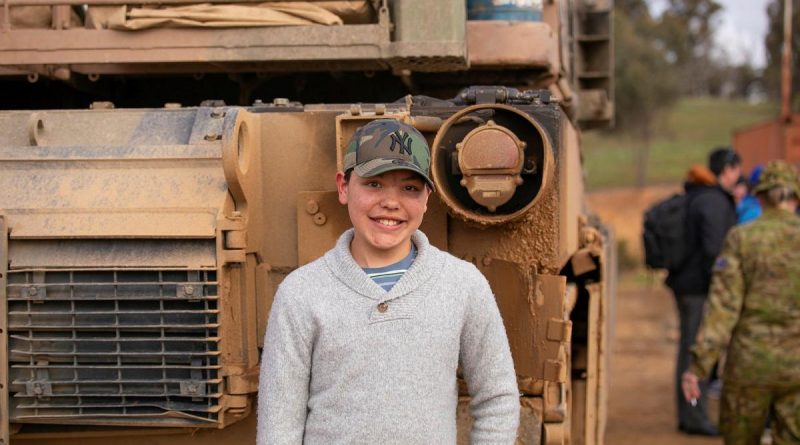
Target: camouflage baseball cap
[[387, 144], [778, 174]]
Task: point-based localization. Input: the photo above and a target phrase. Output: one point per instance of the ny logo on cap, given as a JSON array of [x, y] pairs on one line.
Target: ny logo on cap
[[403, 140]]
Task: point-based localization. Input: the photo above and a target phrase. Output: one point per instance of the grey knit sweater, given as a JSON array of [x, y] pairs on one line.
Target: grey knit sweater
[[339, 367]]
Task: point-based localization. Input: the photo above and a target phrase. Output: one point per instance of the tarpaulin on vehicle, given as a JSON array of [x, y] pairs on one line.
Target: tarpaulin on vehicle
[[37, 17], [204, 15], [209, 15]]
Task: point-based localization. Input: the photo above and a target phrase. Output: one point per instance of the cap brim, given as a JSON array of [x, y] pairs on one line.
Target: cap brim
[[366, 170], [761, 187], [766, 186]]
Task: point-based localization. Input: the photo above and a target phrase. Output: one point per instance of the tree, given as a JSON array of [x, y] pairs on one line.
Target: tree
[[746, 80], [687, 30], [645, 81], [774, 45]]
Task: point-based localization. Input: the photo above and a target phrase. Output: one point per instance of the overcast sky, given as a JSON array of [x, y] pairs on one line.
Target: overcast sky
[[741, 28]]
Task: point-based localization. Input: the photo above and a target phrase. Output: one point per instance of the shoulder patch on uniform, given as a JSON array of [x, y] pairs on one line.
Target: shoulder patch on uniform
[[720, 263]]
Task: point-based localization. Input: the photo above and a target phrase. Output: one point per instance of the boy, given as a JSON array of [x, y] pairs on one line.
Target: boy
[[363, 344]]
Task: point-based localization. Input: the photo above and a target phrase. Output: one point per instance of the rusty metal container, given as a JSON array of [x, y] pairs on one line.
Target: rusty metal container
[[140, 248], [767, 141]]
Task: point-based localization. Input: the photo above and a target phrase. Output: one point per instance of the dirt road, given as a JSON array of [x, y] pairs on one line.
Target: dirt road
[[641, 407]]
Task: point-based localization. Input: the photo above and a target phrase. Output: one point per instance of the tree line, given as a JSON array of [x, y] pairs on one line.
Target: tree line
[[673, 54], [662, 57]]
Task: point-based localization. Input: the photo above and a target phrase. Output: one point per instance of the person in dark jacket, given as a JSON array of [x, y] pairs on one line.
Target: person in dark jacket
[[711, 212]]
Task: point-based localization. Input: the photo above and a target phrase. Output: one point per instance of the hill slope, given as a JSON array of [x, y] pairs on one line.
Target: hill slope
[[688, 132]]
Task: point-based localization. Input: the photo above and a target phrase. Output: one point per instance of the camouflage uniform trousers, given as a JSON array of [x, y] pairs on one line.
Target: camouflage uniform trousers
[[744, 410]]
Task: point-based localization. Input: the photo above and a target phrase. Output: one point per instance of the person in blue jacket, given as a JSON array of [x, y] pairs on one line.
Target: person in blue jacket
[[749, 208]]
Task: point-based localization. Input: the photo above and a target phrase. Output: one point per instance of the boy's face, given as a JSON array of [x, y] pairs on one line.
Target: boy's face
[[385, 211], [728, 177]]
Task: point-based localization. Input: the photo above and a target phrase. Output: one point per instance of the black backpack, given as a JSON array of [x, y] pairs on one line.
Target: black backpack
[[664, 235]]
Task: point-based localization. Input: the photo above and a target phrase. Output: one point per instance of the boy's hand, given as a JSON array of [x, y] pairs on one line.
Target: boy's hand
[[691, 387]]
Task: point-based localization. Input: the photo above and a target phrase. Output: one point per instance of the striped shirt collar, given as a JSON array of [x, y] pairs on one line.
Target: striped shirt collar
[[387, 276]]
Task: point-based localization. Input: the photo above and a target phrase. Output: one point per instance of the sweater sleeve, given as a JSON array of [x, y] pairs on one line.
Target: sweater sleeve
[[724, 306], [489, 370], [285, 372]]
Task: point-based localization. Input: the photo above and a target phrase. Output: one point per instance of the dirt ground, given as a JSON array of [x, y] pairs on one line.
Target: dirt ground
[[622, 209], [641, 406]]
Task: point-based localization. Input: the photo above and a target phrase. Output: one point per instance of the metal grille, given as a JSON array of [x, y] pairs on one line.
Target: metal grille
[[430, 64], [107, 346]]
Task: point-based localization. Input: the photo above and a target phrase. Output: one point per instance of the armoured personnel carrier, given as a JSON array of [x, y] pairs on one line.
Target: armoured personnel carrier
[[140, 248]]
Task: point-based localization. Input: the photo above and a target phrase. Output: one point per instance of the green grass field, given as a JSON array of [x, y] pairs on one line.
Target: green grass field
[[685, 136]]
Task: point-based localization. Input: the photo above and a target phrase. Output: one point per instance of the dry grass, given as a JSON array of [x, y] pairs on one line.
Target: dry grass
[[686, 135]]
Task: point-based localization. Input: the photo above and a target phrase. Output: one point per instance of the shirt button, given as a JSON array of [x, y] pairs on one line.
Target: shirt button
[[383, 307]]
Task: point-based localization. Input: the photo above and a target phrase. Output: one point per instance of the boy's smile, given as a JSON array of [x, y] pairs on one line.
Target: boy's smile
[[385, 211]]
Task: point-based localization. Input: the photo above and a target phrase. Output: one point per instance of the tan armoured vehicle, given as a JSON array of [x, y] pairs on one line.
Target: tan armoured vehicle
[[140, 248]]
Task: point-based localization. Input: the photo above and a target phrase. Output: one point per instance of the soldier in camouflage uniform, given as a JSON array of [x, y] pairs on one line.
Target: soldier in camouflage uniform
[[754, 310]]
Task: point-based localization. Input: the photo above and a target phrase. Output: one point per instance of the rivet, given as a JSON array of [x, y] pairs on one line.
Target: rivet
[[320, 219], [312, 207], [212, 137], [487, 261]]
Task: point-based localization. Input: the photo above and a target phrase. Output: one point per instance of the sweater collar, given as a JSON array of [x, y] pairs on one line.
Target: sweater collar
[[340, 261]]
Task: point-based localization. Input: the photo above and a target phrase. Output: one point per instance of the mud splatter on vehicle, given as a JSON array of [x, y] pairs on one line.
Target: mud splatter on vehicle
[[141, 247]]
